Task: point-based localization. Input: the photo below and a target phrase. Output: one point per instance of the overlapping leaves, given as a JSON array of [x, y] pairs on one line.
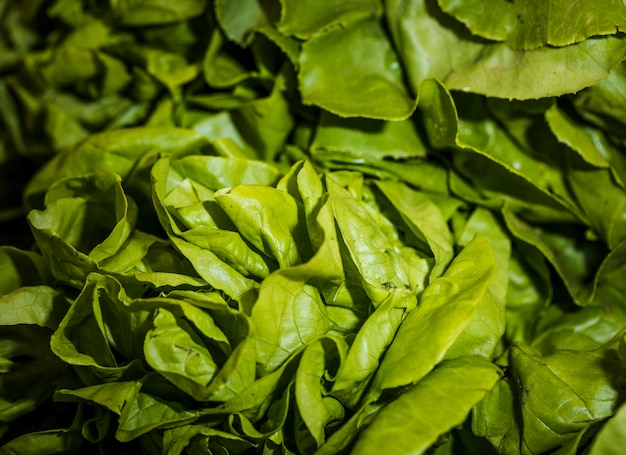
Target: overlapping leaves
[[300, 226]]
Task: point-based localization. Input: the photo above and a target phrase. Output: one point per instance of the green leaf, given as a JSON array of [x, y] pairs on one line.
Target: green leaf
[[575, 258], [113, 396], [21, 268], [591, 145], [444, 310], [220, 68], [75, 242], [501, 136], [369, 246], [317, 410], [345, 435], [601, 104], [586, 329], [240, 20], [494, 418], [97, 326], [153, 12], [288, 315], [36, 305], [28, 369], [420, 31], [304, 18], [485, 331], [269, 219], [340, 61], [602, 199], [195, 341], [542, 384], [591, 399], [268, 395], [116, 151], [198, 438], [529, 292], [533, 24], [150, 408], [608, 288], [48, 442], [544, 72], [368, 348], [611, 437], [365, 141], [424, 219], [175, 351], [208, 265], [440, 401]]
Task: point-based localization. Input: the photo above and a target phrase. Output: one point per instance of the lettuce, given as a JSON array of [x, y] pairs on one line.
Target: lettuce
[[322, 227]]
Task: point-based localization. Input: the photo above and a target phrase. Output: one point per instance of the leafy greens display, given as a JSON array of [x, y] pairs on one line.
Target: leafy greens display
[[312, 227]]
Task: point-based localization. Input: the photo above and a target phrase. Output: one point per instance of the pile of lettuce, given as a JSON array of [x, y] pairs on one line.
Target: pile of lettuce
[[312, 227]]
